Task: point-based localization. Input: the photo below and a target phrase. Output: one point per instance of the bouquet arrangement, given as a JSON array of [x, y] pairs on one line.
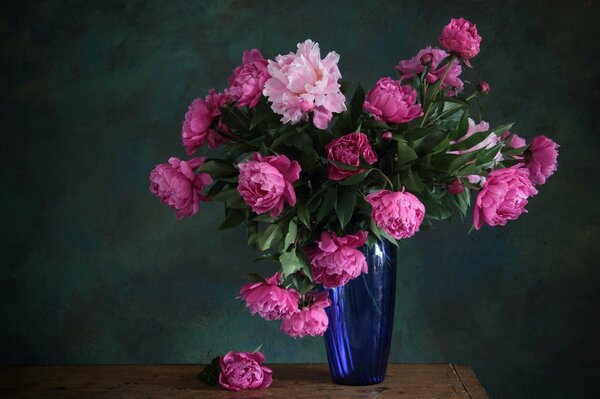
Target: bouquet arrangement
[[314, 173]]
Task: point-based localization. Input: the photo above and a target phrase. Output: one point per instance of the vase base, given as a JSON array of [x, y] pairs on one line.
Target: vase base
[[358, 381]]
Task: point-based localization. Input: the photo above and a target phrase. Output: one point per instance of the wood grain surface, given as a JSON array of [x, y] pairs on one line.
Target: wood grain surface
[[291, 381]]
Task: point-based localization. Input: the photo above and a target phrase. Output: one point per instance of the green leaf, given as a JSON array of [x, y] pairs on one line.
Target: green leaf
[[414, 183], [255, 277], [470, 142], [258, 349], [261, 111], [217, 168], [356, 104], [291, 235], [226, 195], [345, 203], [306, 269], [461, 160], [290, 263], [462, 128], [511, 152], [405, 153], [427, 143], [236, 118], [281, 139], [304, 215], [373, 124], [346, 166], [233, 217], [270, 237], [327, 204], [500, 130], [210, 373], [356, 179]]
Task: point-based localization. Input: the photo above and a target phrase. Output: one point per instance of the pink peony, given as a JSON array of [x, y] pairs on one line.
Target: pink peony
[[270, 301], [456, 187], [310, 320], [303, 82], [178, 187], [389, 101], [336, 260], [248, 80], [202, 123], [542, 159], [244, 370], [414, 66], [399, 213], [265, 182], [460, 37], [503, 196], [515, 141], [347, 150]]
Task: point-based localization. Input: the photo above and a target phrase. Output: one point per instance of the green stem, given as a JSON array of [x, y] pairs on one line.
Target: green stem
[[388, 181], [437, 89]]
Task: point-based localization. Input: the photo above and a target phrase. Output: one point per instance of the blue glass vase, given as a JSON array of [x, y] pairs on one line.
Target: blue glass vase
[[361, 318]]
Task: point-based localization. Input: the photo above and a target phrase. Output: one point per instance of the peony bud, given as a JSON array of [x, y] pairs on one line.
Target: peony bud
[[387, 135], [426, 59], [456, 187], [483, 88]]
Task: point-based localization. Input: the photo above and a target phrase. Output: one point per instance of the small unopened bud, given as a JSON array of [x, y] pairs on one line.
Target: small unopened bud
[[483, 88], [387, 135], [456, 187], [426, 59]]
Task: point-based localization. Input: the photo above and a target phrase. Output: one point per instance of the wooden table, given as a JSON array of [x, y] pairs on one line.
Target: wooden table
[[290, 381]]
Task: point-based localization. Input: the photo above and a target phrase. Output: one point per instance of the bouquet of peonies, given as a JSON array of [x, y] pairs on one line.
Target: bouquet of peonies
[[314, 173]]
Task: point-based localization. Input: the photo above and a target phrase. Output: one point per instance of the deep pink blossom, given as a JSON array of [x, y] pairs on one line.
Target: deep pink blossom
[[244, 370], [268, 299], [460, 37], [415, 66], [265, 183], [390, 101], [347, 150], [310, 320], [248, 80], [302, 82], [515, 140], [336, 260], [503, 197], [542, 159], [399, 213], [203, 124], [178, 187]]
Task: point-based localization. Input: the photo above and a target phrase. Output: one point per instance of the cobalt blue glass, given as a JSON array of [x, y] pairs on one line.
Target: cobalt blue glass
[[361, 318]]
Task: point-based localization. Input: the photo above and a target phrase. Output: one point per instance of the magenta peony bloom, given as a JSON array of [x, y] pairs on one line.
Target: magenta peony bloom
[[415, 66], [202, 123], [347, 150], [503, 196], [178, 187], [310, 320], [389, 101], [399, 213], [265, 182], [336, 260], [456, 187], [270, 301], [460, 37], [248, 80], [542, 159], [244, 370], [303, 82], [515, 141]]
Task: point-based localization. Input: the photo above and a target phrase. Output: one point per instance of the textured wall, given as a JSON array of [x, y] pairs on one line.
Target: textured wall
[[95, 270]]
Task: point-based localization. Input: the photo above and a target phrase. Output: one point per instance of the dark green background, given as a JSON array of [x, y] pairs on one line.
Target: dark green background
[[96, 270]]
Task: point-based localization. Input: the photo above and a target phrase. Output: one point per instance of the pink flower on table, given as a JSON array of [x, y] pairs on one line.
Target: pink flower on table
[[265, 183], [178, 187], [414, 66], [347, 150], [503, 196], [203, 124], [390, 101], [399, 213], [460, 37], [456, 187], [302, 82], [310, 320], [244, 370], [269, 300], [248, 80], [542, 159], [336, 260]]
